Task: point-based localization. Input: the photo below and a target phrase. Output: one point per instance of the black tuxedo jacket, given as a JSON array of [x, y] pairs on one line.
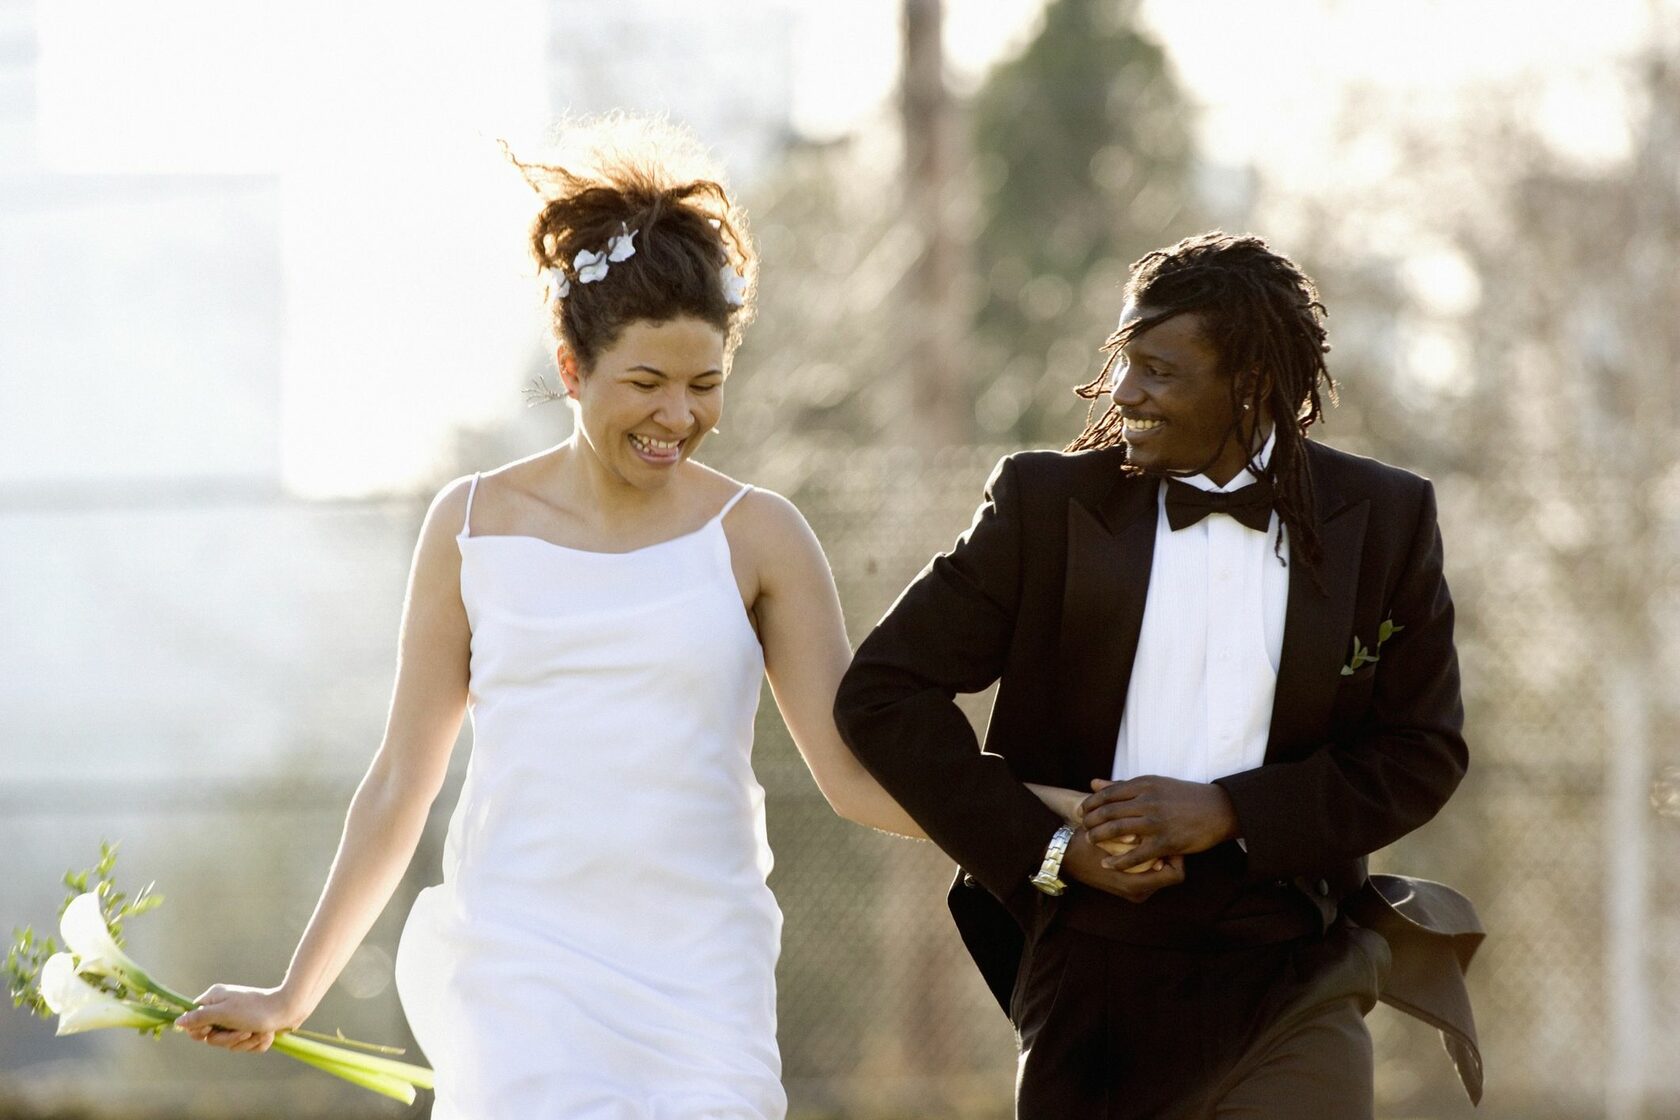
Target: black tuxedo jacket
[[1045, 595]]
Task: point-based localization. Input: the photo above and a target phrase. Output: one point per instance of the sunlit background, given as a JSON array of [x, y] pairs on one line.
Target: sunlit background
[[263, 290]]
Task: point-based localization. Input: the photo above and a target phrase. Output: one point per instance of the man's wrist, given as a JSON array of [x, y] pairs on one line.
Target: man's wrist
[[1232, 826], [1049, 876]]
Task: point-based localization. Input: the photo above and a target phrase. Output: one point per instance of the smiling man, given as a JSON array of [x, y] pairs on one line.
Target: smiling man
[[1172, 608]]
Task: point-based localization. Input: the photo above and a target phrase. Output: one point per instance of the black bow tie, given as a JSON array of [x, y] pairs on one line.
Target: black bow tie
[[1251, 505]]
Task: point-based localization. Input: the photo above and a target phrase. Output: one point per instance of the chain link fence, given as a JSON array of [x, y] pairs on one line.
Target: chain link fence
[[881, 1013]]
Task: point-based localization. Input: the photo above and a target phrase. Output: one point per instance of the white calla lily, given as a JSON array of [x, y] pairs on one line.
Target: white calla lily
[[59, 982], [82, 1007], [95, 985], [87, 935]]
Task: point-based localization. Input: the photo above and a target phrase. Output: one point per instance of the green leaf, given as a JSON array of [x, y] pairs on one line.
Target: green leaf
[[1385, 631]]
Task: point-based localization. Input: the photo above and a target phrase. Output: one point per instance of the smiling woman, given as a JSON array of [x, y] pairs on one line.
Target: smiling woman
[[650, 276]]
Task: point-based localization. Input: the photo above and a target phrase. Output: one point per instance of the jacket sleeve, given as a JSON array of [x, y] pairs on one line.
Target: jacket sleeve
[[1347, 799], [950, 632]]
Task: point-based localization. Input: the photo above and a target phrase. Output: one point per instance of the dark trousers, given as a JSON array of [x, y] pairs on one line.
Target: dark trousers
[[1111, 1031]]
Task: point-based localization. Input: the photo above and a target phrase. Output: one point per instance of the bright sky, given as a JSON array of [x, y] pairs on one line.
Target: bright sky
[[402, 321]]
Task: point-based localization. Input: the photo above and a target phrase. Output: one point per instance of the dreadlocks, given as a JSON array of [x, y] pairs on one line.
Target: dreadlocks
[[1261, 313]]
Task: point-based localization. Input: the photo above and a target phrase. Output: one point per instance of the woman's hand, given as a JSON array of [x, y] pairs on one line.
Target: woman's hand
[[1065, 803], [1069, 804], [235, 1017], [1164, 816]]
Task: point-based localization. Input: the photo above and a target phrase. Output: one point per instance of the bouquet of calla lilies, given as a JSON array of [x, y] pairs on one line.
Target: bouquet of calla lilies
[[91, 984]]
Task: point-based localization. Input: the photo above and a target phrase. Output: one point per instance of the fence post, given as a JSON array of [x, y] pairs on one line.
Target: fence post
[[1627, 787]]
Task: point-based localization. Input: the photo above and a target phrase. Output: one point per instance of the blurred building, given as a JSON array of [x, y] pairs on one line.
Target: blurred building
[[192, 661], [163, 599], [174, 632]]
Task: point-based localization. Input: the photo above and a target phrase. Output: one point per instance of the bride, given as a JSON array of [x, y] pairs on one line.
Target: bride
[[603, 943]]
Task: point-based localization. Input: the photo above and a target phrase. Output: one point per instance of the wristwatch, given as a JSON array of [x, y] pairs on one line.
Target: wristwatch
[[1049, 877]]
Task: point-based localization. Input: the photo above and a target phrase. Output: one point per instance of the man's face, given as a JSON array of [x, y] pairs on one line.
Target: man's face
[[1175, 402]]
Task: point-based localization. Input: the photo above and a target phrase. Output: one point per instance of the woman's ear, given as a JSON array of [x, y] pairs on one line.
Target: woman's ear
[[566, 362]]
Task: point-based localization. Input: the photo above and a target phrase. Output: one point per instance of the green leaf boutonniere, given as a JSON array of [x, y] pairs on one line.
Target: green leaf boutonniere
[[1363, 656]]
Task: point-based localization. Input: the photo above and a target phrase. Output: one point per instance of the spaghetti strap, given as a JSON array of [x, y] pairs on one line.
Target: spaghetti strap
[[730, 504], [466, 519]]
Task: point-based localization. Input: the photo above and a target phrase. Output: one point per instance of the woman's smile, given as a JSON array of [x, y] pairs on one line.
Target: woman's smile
[[659, 452]]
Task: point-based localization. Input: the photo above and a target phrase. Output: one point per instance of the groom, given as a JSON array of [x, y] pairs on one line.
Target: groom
[[1250, 634]]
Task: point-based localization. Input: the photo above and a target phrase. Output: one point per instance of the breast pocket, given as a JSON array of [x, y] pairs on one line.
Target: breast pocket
[[1353, 695]]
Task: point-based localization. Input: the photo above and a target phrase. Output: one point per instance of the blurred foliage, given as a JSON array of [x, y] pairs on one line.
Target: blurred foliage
[[1496, 316], [1082, 161]]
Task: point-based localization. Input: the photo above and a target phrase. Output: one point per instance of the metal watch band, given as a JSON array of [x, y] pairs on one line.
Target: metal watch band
[[1049, 875]]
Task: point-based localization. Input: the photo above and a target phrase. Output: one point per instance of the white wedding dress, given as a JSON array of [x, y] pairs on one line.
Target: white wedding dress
[[603, 945]]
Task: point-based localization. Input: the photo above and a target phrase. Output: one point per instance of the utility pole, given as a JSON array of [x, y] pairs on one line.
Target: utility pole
[[940, 413], [1635, 693]]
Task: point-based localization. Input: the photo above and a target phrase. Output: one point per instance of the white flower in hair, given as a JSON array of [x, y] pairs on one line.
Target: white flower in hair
[[558, 286], [734, 286], [589, 267], [622, 247]]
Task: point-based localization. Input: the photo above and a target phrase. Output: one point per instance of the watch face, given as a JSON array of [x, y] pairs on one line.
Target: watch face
[[1049, 884]]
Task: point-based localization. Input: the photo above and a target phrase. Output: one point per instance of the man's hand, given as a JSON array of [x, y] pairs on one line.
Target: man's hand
[[1170, 818], [1088, 864]]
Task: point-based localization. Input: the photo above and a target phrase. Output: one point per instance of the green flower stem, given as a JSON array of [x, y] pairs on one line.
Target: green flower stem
[[340, 1040], [414, 1075], [383, 1084], [142, 980]]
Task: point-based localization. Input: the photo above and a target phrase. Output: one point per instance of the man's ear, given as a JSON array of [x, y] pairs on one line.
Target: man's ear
[[1248, 379], [566, 362]]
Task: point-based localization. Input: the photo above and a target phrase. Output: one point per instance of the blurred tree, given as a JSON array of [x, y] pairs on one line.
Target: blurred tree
[[940, 414], [1083, 157], [1497, 318]]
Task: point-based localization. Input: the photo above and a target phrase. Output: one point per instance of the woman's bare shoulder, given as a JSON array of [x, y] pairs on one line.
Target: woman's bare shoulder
[[772, 528], [524, 473], [449, 506]]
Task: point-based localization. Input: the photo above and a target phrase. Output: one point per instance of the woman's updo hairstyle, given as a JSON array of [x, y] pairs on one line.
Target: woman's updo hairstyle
[[649, 177]]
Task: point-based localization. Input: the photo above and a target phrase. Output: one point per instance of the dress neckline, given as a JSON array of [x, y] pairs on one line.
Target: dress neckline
[[715, 519]]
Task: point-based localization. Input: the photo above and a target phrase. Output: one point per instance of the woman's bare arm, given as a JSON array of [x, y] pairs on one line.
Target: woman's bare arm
[[388, 812], [805, 654]]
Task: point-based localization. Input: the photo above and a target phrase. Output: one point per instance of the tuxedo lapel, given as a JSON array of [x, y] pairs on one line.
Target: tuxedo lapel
[[1110, 550], [1318, 622]]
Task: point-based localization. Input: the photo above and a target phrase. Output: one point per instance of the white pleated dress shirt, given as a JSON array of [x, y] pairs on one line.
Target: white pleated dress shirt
[[1199, 705]]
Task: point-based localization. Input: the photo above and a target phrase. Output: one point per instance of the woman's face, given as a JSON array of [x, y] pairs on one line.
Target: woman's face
[[651, 398]]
